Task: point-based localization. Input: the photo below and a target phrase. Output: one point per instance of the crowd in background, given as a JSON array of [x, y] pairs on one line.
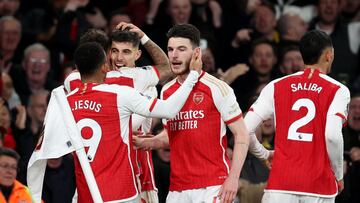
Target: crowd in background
[[247, 43]]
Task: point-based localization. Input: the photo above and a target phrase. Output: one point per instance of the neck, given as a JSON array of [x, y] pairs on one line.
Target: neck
[[264, 78], [36, 86], [35, 126], [319, 67], [96, 78], [326, 27], [181, 78]]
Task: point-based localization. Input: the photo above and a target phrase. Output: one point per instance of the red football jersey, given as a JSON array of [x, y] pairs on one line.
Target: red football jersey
[[301, 104], [197, 135], [103, 115]]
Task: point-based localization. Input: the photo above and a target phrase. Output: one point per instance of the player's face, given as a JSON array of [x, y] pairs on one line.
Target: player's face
[[263, 59], [354, 113], [292, 62], [180, 51], [123, 54]]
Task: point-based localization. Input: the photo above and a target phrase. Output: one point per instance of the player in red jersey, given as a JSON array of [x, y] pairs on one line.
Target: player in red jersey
[[123, 51], [309, 109], [200, 168], [103, 115]]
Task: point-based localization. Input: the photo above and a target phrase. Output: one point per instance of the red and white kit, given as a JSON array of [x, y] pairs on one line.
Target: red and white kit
[[197, 135], [305, 101]]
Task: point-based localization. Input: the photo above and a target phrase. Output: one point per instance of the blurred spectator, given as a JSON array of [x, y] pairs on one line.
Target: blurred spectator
[[351, 135], [33, 75], [262, 61], [11, 189], [304, 8], [10, 35], [59, 181], [263, 27], [351, 10], [115, 17], [291, 28], [8, 92], [28, 127], [345, 39], [291, 60], [9, 7], [5, 125]]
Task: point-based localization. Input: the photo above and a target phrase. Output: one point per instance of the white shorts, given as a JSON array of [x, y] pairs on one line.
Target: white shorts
[[149, 196], [201, 195], [276, 197]]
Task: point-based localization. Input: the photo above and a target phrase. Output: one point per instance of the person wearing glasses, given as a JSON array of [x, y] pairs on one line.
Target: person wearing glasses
[[11, 190]]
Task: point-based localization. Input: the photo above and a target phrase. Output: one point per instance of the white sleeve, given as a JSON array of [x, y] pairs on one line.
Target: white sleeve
[[252, 122], [225, 101], [148, 76], [340, 103], [336, 116], [137, 121], [73, 76], [334, 144], [264, 105], [151, 107]]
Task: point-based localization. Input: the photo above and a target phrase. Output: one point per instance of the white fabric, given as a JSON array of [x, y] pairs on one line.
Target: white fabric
[[252, 122], [276, 197], [354, 39], [208, 194], [56, 142]]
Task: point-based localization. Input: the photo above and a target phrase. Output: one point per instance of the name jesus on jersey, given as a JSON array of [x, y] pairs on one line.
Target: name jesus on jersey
[[186, 120], [306, 86]]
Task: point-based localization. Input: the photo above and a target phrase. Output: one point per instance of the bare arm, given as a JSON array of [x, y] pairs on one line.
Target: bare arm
[[241, 144], [161, 61], [160, 141]]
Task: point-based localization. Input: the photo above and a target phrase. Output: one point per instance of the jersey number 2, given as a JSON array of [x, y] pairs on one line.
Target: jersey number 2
[[293, 133], [94, 140]]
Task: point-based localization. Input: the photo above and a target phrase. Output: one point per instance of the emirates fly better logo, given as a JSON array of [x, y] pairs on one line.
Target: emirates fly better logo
[[198, 97]]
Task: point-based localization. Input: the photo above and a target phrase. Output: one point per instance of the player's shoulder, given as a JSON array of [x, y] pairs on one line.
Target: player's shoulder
[[112, 88], [215, 84], [73, 75], [169, 84], [335, 82]]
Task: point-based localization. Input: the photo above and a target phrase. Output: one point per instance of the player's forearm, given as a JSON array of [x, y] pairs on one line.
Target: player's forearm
[[334, 145], [160, 59], [170, 108], [161, 141], [241, 145], [252, 121]]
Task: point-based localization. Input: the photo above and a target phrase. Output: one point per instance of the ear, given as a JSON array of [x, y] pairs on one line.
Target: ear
[[138, 54], [329, 55]]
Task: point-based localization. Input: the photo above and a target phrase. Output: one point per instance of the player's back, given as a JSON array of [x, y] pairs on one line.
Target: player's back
[[105, 132], [301, 163]]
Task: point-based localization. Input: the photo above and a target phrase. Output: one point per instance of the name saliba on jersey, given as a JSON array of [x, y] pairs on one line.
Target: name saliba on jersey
[[306, 86], [185, 120]]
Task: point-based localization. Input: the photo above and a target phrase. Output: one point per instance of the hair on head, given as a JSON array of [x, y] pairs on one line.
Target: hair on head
[[187, 31], [89, 57], [313, 44]]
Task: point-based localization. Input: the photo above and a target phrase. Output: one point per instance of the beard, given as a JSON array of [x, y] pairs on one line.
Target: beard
[[184, 69]]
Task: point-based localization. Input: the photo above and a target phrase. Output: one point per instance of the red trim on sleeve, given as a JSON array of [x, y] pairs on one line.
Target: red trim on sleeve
[[233, 119], [126, 81], [343, 117], [153, 105], [156, 71]]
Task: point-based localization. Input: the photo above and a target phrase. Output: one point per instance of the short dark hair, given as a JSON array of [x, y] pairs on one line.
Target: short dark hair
[[9, 152], [125, 36], [89, 57], [312, 45], [187, 31], [95, 35]]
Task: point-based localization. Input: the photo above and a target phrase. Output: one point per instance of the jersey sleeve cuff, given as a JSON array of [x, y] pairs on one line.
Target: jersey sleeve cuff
[[343, 118], [233, 119], [157, 72]]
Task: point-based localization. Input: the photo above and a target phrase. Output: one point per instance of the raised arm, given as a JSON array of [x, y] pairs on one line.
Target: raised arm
[[161, 61]]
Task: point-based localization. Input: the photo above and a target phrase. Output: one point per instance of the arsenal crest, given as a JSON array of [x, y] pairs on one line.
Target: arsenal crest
[[198, 97]]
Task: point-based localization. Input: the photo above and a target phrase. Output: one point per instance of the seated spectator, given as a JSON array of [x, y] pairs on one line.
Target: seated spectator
[[11, 189], [10, 35], [115, 17], [9, 8], [5, 125]]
